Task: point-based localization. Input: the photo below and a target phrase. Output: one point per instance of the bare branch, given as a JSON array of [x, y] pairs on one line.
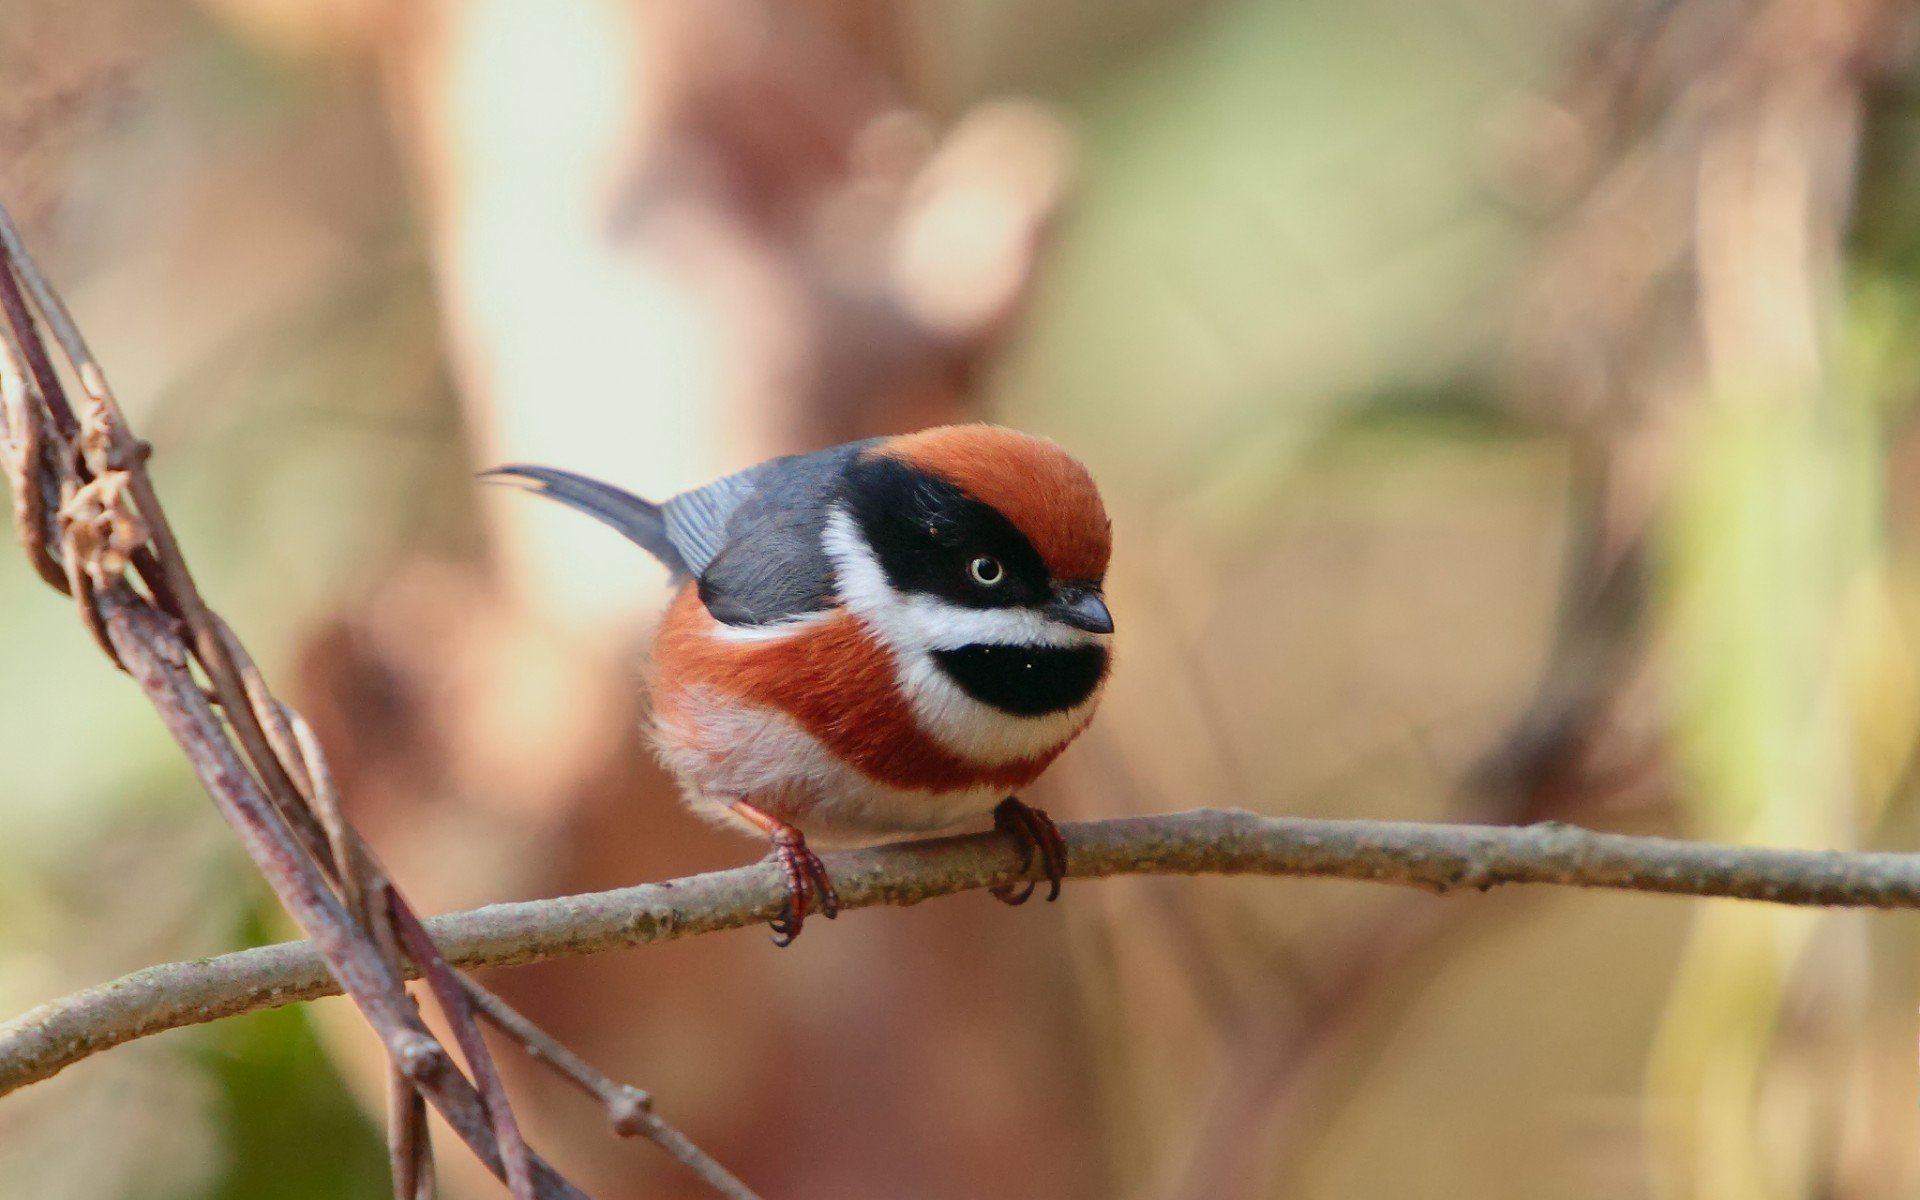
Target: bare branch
[[629, 1109], [89, 519], [157, 660], [108, 521], [1439, 858]]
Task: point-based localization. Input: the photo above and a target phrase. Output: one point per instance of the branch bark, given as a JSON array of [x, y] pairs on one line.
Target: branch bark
[[1438, 858]]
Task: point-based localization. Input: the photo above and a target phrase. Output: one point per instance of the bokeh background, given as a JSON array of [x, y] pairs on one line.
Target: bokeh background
[[1507, 412]]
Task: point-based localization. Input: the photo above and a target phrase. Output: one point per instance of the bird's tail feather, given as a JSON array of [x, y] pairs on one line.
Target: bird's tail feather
[[640, 521]]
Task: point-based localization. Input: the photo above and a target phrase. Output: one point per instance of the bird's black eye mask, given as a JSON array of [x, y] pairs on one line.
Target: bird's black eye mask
[[930, 537]]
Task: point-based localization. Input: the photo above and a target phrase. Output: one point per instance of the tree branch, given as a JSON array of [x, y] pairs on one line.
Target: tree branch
[[79, 482], [1439, 858]]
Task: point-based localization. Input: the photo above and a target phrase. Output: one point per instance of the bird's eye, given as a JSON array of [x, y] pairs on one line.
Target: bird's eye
[[986, 571]]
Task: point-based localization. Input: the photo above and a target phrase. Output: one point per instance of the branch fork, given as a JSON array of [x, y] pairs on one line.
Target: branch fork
[[91, 523]]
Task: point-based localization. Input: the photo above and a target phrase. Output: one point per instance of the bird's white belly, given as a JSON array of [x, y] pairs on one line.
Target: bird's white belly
[[722, 751]]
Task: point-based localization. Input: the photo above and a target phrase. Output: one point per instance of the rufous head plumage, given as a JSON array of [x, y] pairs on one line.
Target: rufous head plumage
[[1041, 489]]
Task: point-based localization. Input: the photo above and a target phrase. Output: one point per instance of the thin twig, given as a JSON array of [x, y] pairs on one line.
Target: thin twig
[[370, 896], [157, 661], [409, 1152], [1437, 858], [32, 502], [629, 1109], [19, 321], [378, 906], [81, 464], [409, 1148], [109, 519]]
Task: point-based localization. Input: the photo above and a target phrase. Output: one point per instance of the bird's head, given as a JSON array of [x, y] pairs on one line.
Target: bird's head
[[981, 552]]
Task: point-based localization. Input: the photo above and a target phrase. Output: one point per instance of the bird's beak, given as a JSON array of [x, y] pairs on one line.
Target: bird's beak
[[1082, 608]]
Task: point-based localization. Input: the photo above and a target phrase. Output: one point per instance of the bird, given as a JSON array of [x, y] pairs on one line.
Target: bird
[[887, 638]]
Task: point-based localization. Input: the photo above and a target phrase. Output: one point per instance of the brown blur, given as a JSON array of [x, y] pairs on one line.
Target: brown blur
[[1506, 412]]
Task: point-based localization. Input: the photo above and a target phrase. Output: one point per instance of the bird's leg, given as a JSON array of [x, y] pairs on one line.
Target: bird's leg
[[1034, 831], [808, 888]]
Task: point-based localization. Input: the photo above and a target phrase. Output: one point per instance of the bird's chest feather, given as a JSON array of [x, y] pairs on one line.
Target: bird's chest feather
[[802, 704]]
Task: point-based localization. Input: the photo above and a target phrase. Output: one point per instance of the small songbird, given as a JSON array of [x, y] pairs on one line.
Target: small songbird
[[886, 638]]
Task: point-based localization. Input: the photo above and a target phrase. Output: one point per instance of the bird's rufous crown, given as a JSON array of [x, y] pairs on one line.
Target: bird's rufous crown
[[1044, 491]]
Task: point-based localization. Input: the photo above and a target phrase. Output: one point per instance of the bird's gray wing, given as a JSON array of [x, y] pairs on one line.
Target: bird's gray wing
[[753, 539], [696, 521]]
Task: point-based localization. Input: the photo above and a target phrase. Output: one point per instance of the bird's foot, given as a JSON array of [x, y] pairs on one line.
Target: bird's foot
[[808, 888], [1035, 832]]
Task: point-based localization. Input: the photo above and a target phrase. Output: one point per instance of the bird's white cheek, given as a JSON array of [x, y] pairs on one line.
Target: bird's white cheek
[[980, 732], [914, 627], [937, 625]]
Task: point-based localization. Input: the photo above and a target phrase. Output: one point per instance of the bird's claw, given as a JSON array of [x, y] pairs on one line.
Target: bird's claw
[[809, 889], [1035, 832]]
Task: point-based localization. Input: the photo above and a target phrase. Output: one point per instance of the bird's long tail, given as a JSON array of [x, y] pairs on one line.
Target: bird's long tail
[[640, 521]]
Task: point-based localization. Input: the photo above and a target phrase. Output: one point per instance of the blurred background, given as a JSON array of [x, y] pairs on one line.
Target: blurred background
[[1507, 413]]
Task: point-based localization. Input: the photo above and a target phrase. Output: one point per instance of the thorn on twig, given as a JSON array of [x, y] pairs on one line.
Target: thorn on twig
[[132, 454], [96, 441], [420, 1058], [102, 528], [630, 1111]]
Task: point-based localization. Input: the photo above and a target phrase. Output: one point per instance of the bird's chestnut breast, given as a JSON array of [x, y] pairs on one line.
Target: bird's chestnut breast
[[829, 676]]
